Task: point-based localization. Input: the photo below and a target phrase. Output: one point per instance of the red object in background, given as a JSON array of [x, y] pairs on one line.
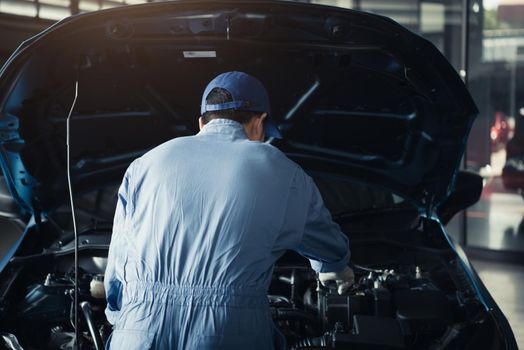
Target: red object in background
[[511, 11], [501, 132]]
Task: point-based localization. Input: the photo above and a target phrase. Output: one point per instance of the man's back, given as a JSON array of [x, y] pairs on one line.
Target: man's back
[[211, 205], [199, 224], [201, 220]]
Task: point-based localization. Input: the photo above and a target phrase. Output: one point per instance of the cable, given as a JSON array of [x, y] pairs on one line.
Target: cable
[[95, 334], [77, 333]]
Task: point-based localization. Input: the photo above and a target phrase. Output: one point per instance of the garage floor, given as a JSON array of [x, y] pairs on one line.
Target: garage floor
[[505, 283], [496, 221]]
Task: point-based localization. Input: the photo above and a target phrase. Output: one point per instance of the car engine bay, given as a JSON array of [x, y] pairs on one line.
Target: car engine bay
[[405, 296], [413, 289], [410, 292], [385, 309]]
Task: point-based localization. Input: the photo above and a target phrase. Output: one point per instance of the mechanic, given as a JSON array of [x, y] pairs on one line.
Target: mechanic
[[199, 224]]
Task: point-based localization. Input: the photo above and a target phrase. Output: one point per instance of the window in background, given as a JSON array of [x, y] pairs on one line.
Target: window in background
[[338, 3], [496, 146], [54, 9], [18, 7], [57, 9], [405, 12]]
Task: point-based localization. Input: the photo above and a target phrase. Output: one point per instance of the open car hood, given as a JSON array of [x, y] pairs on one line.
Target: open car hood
[[356, 91]]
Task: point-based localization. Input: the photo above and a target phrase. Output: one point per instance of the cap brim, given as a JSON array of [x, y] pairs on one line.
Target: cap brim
[[270, 129]]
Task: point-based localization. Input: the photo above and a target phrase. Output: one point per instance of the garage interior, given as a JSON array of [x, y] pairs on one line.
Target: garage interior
[[484, 41]]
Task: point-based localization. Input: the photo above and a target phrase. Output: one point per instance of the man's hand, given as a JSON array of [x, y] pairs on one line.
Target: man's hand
[[341, 280]]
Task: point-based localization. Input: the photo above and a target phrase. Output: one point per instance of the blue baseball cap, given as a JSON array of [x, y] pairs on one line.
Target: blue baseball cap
[[248, 95]]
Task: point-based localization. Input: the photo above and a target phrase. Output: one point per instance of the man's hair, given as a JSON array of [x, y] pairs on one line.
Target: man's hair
[[219, 95]]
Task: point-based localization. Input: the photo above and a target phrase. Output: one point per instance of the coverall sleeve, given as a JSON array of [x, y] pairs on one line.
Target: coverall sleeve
[[322, 242], [114, 273]]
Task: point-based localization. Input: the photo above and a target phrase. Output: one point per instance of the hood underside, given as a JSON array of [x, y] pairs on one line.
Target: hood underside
[[353, 93]]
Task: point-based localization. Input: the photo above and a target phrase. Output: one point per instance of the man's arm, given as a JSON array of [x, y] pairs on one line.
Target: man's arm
[[117, 253], [323, 242]]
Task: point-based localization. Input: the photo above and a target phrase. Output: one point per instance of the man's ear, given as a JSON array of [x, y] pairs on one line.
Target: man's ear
[[260, 122], [201, 122]]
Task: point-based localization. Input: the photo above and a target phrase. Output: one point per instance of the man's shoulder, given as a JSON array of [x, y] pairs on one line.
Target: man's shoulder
[[275, 154], [168, 145]]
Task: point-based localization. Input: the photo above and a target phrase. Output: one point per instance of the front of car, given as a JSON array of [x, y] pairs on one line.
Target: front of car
[[373, 112]]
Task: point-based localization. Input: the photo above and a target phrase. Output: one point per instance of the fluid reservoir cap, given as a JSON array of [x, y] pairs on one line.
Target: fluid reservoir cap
[[96, 287]]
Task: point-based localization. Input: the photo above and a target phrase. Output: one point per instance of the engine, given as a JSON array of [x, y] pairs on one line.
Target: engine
[[406, 301], [46, 311], [387, 308]]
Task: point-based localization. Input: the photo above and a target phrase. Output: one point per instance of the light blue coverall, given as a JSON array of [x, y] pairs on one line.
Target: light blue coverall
[[199, 223]]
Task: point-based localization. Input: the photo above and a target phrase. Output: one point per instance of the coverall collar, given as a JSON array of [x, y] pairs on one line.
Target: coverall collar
[[226, 127]]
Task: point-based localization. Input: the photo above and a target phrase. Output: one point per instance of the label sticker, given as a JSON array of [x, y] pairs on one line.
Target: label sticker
[[199, 54]]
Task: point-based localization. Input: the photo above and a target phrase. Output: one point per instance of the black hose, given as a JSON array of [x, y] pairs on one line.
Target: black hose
[[97, 339]]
